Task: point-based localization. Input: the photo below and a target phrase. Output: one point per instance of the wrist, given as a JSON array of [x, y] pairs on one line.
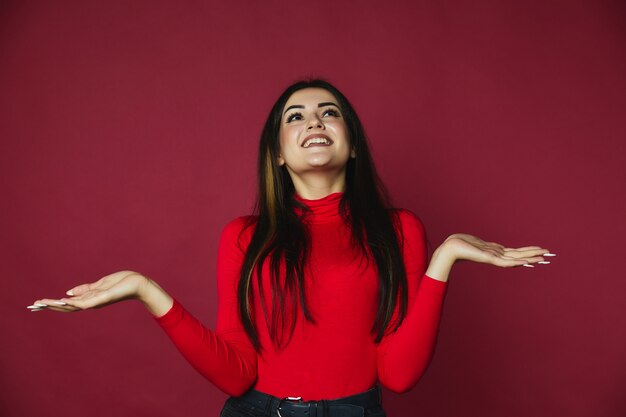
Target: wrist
[[441, 262], [144, 289], [446, 252], [154, 298]]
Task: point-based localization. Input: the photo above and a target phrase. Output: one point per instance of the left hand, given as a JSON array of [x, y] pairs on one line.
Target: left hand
[[471, 248], [463, 247]]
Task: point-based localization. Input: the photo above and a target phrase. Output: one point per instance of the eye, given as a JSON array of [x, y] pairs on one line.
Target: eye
[[293, 116], [332, 112]]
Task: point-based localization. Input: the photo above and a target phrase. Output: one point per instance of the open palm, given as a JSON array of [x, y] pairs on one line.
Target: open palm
[[107, 290], [471, 248]]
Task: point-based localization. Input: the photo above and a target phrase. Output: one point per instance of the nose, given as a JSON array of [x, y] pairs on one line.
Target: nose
[[315, 122]]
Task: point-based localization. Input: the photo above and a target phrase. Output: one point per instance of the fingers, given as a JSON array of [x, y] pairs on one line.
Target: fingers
[[528, 261], [526, 253], [530, 254], [90, 295], [66, 305], [524, 248], [37, 306], [509, 263], [83, 288], [534, 260], [78, 290], [92, 299], [526, 256], [57, 304], [61, 305]]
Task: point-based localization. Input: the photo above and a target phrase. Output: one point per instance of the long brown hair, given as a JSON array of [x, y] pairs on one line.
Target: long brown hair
[[280, 235]]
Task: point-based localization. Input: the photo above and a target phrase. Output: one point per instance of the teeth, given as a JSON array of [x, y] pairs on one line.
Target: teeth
[[316, 140]]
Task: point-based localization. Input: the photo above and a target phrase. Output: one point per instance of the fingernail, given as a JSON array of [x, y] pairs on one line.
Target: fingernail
[[543, 262], [528, 266], [41, 304], [61, 303], [36, 306], [70, 293], [549, 254], [36, 309]]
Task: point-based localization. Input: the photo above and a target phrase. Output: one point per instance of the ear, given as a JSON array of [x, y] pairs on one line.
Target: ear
[[352, 154], [280, 160]]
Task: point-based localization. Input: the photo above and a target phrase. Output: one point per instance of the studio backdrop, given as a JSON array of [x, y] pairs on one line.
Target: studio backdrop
[[129, 133]]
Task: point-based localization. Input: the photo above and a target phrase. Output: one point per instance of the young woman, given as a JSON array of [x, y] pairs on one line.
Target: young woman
[[322, 294]]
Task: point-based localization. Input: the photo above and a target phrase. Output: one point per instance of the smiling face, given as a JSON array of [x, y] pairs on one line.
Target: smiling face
[[313, 134]]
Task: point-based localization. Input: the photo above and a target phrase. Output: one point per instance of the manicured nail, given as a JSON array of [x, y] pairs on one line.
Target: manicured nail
[[41, 304], [70, 293], [549, 254], [543, 262], [61, 303], [35, 306], [528, 266], [36, 309]]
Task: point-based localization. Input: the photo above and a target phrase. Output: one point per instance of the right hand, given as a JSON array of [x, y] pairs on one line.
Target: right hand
[[119, 286]]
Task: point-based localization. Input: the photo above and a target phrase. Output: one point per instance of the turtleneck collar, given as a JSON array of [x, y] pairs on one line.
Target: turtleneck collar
[[322, 210]]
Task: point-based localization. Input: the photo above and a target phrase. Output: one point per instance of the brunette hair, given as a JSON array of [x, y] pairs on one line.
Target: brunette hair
[[280, 234]]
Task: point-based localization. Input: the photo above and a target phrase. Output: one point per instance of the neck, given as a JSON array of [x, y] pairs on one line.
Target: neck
[[316, 185]]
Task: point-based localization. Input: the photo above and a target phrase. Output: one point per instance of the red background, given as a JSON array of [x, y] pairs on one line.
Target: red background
[[129, 134]]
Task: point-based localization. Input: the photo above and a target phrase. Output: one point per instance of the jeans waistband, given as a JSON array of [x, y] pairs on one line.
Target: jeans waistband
[[352, 406]]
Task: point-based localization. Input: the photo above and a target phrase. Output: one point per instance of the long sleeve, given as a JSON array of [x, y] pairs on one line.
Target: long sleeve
[[403, 356], [224, 356], [342, 292]]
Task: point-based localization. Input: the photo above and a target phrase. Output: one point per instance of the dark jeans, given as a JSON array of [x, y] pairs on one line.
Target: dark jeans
[[244, 406]]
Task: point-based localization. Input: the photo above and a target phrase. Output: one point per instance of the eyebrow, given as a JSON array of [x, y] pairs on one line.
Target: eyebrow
[[300, 106]]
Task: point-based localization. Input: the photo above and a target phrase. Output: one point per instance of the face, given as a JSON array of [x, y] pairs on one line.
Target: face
[[313, 133]]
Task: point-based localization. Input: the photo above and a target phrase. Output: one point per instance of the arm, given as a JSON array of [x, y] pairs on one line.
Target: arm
[[225, 357], [404, 355]]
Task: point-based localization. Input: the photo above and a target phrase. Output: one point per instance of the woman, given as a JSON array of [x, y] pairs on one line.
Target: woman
[[322, 294]]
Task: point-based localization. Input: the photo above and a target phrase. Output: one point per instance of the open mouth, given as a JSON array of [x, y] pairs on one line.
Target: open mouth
[[317, 141]]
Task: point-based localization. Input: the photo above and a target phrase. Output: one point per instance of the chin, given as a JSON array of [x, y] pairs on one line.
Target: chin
[[319, 162], [324, 161]]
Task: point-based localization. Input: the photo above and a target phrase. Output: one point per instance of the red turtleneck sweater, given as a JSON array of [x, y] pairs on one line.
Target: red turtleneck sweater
[[336, 356]]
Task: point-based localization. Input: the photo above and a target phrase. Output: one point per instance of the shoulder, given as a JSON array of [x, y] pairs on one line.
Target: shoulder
[[407, 221], [239, 224], [410, 230], [238, 232]]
